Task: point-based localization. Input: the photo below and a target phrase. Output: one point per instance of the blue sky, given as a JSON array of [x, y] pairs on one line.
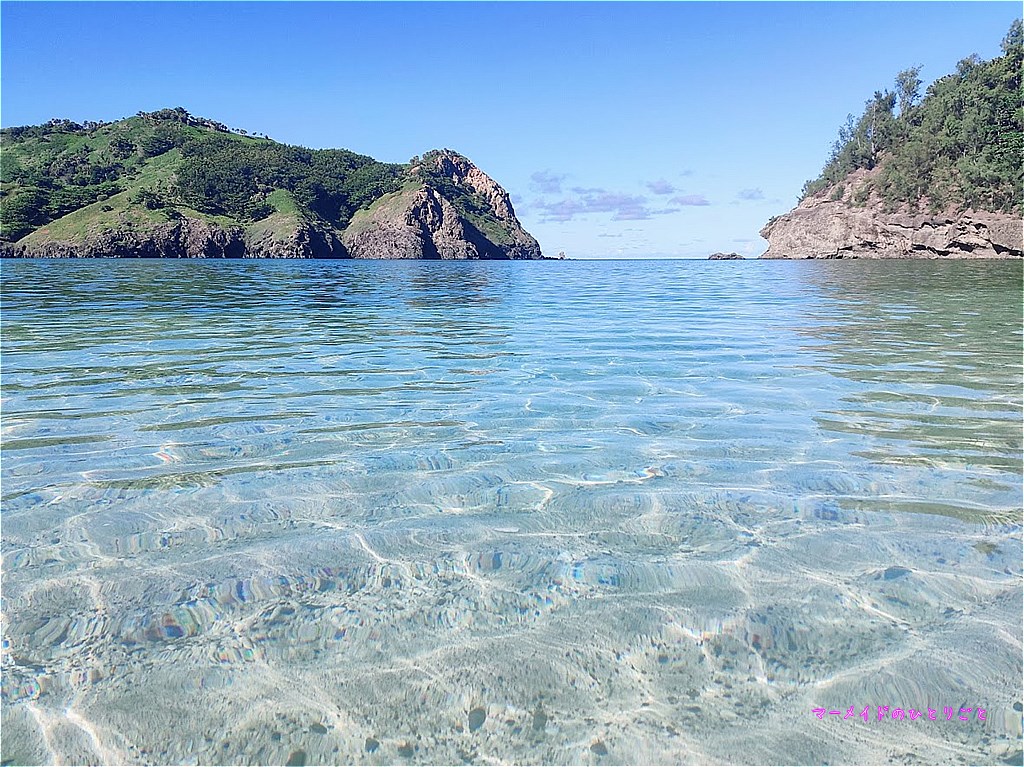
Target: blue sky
[[621, 129]]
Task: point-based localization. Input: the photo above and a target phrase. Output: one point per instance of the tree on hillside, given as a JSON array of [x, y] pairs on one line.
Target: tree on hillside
[[1013, 43], [908, 89], [878, 129], [861, 142]]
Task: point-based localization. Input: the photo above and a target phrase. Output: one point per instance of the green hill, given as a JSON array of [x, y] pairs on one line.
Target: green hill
[[168, 183]]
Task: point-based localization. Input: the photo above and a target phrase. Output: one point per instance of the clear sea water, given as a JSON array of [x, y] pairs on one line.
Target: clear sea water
[[556, 512]]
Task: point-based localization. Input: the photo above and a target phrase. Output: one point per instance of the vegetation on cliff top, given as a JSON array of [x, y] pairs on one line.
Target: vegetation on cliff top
[[960, 147], [169, 162]]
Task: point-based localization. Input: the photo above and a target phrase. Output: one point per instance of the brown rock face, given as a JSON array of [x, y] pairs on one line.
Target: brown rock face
[[507, 234], [420, 222], [820, 227], [298, 241], [725, 257], [187, 238], [460, 170], [184, 238], [417, 223]]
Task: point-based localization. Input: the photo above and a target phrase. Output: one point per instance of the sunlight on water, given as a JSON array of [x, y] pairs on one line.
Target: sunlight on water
[[376, 512]]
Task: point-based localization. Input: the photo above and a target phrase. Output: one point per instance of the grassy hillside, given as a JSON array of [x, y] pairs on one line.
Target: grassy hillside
[[960, 147], [63, 179]]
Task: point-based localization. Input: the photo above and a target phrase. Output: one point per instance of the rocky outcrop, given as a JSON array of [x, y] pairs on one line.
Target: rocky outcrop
[[417, 223], [464, 173], [725, 257], [421, 222], [414, 223], [188, 238], [823, 227], [181, 238], [490, 211], [279, 237]]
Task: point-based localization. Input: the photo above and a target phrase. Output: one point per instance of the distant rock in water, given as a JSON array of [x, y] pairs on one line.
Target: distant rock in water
[[167, 184], [939, 178], [725, 257]]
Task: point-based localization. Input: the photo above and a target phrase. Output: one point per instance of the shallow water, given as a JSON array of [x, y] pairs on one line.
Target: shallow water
[[556, 512]]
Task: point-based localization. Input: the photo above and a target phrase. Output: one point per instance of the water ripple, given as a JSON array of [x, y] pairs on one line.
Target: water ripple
[[546, 513]]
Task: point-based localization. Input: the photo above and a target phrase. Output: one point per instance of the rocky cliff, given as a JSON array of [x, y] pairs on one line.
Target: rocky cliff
[[485, 204], [415, 223], [825, 225], [280, 236], [450, 210], [183, 238]]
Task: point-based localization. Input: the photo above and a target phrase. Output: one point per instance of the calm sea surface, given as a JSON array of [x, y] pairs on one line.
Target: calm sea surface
[[555, 512]]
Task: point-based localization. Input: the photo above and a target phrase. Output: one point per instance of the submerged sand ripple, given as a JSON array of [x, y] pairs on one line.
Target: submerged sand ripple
[[629, 531]]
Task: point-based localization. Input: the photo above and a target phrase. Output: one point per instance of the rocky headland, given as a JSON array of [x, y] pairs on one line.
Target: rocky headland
[[171, 185], [938, 176], [822, 226]]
